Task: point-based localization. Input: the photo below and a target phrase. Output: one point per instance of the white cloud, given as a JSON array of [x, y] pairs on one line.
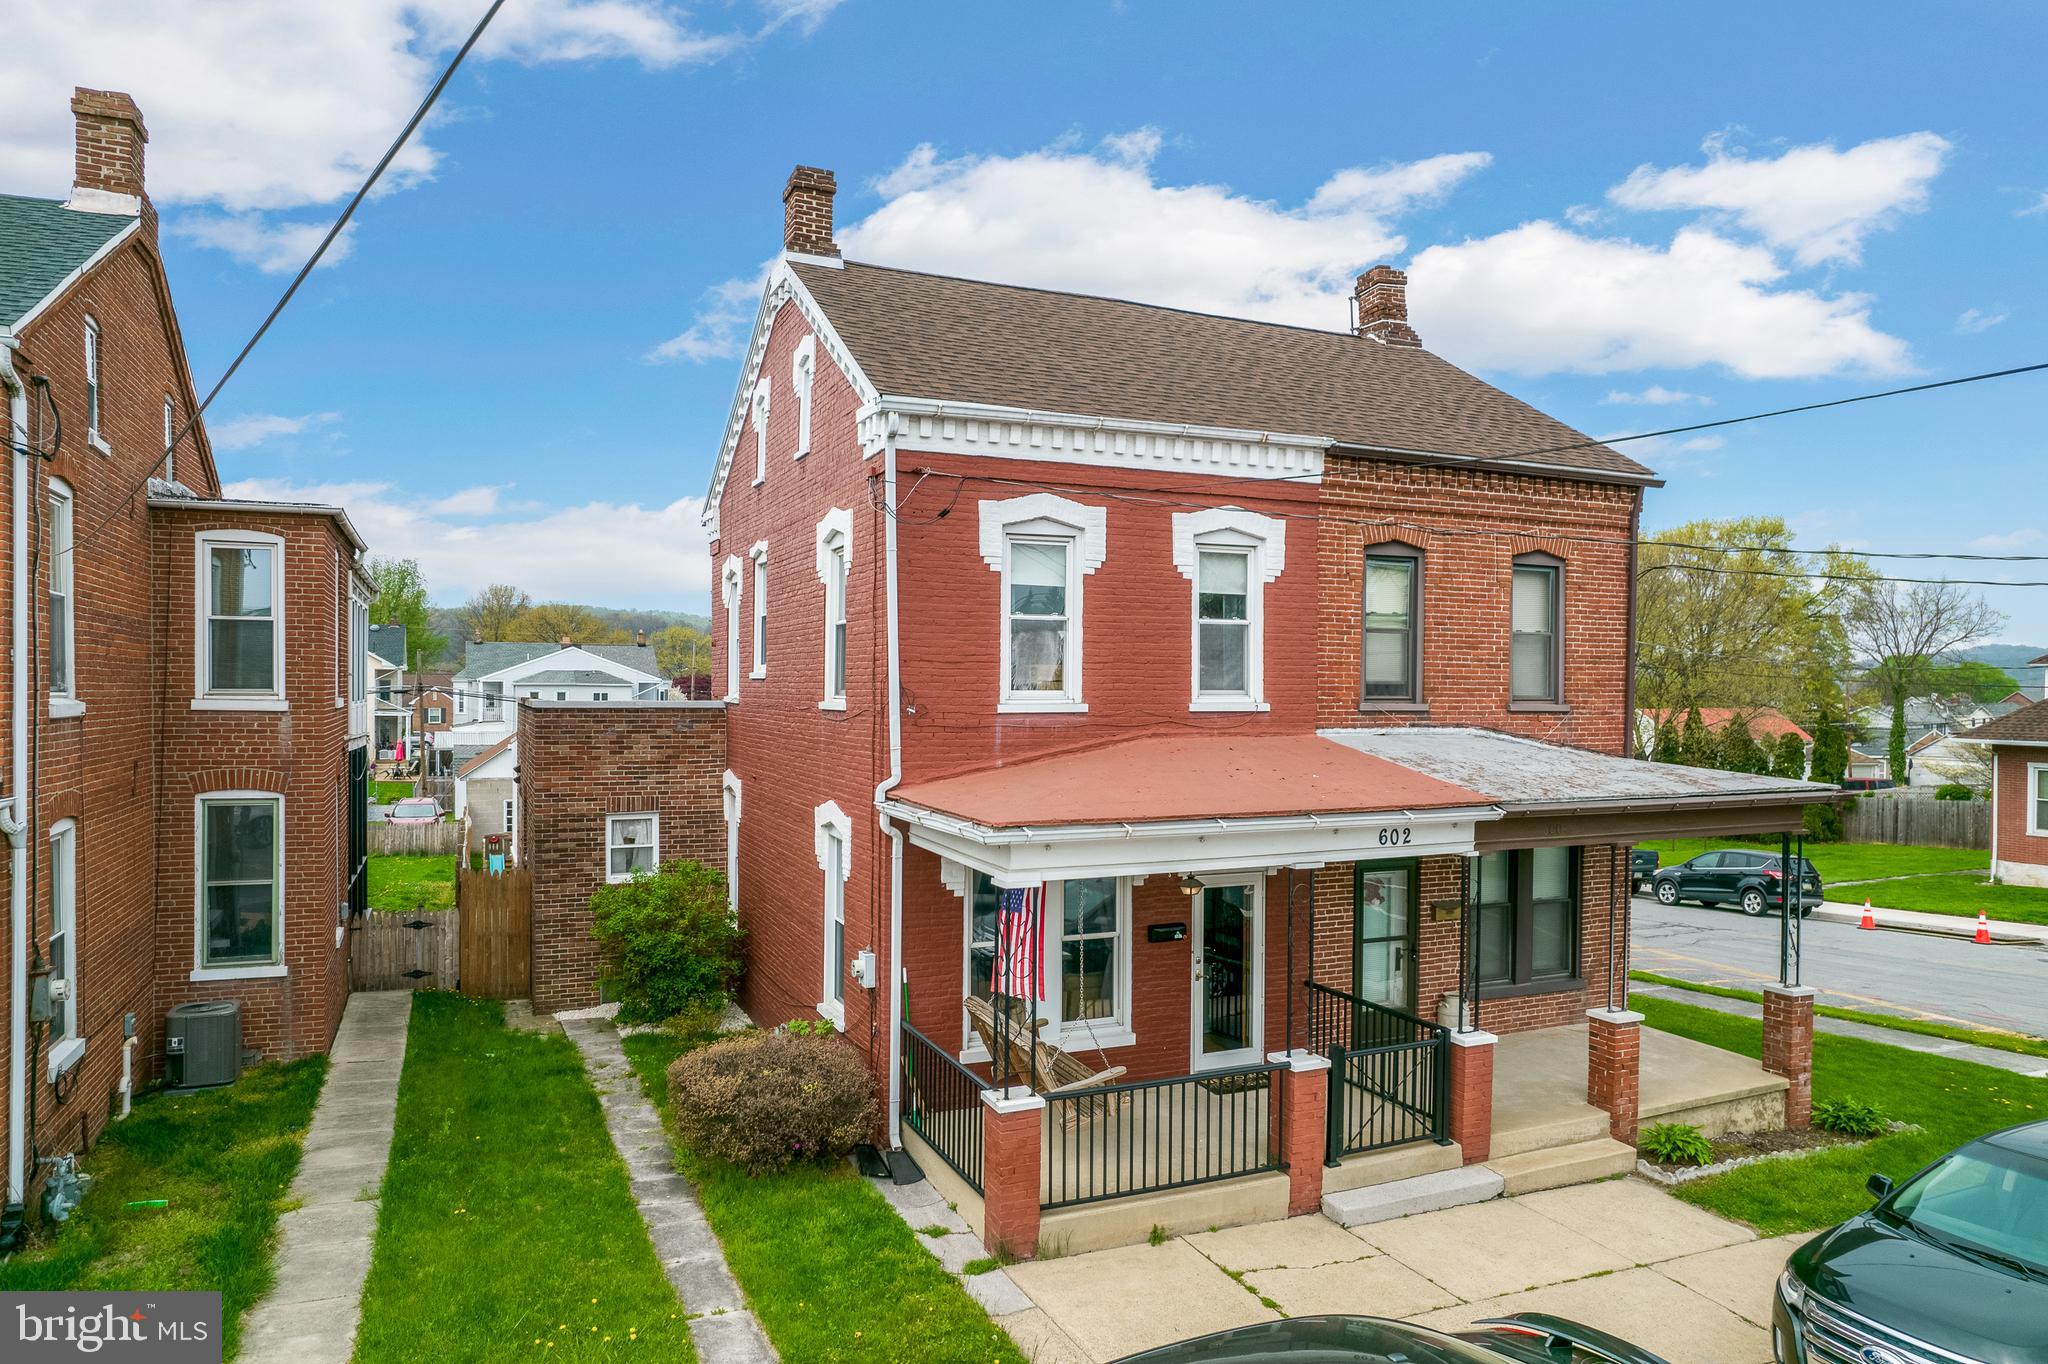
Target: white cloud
[[273, 246], [722, 324], [1656, 395], [1539, 299], [481, 500], [1813, 201], [622, 554], [2010, 541], [254, 428], [2040, 205], [1974, 320], [1702, 443], [802, 15]]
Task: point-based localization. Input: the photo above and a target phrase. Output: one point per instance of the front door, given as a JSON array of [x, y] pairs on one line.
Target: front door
[[1384, 963], [1228, 994]]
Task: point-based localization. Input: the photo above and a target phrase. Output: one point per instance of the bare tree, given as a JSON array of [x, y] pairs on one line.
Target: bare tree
[[490, 613], [1903, 628]]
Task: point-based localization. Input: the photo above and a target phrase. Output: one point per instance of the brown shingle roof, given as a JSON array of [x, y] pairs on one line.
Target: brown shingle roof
[[938, 337], [2027, 725]]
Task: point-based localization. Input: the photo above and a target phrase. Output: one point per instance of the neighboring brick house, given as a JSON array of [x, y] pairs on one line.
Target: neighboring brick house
[[1289, 663], [2018, 741], [610, 788], [433, 705], [194, 682]]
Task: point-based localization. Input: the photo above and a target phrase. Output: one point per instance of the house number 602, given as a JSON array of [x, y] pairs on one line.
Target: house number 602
[[1393, 838]]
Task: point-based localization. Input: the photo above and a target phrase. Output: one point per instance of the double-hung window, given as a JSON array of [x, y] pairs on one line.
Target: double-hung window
[[63, 685], [1393, 614], [1536, 664], [1087, 958], [241, 605], [435, 715], [760, 557], [1228, 555], [835, 562], [65, 1041], [1038, 635], [1528, 917], [762, 401], [92, 386], [632, 843], [731, 588], [833, 835], [2037, 799], [1223, 624], [241, 881]]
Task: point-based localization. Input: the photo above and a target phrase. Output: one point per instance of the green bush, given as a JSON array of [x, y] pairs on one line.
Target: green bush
[[670, 941], [765, 1101], [1675, 1143], [1954, 790], [1850, 1117]]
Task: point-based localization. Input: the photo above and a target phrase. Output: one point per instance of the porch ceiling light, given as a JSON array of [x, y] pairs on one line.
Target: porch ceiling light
[[1190, 884]]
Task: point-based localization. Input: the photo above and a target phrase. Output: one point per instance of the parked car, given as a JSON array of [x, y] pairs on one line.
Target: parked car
[[1751, 881], [1642, 866], [1950, 1266], [1868, 784], [414, 810], [1526, 1338]]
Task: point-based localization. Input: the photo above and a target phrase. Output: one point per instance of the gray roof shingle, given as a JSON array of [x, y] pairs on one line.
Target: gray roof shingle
[[41, 242], [938, 337], [481, 658], [2021, 725]]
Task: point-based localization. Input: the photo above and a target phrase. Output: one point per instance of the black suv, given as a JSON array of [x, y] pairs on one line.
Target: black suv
[[1752, 881]]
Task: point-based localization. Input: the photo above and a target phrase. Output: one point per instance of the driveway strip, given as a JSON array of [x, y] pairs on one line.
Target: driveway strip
[[323, 1251], [722, 1326]]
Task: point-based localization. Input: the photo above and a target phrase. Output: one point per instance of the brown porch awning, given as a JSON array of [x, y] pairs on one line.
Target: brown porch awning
[[1554, 795]]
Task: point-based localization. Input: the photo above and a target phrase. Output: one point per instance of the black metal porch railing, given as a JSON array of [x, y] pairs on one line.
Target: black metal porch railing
[[942, 1104], [1113, 1141], [1390, 1073]]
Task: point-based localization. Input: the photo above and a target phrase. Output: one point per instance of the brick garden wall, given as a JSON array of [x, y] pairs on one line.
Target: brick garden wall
[[580, 761]]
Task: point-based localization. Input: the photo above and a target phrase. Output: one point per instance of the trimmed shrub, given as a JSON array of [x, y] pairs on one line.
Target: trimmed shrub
[[764, 1101], [1675, 1143], [670, 941], [1850, 1117], [1954, 790]]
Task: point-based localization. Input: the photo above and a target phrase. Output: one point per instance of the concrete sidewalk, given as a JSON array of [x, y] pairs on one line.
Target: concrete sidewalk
[[1917, 921], [323, 1251]]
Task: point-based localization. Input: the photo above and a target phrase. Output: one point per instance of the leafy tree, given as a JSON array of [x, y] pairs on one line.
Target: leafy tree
[[681, 651], [1665, 748], [553, 621], [490, 613], [1830, 763], [1788, 756], [1978, 681], [1696, 746], [1905, 625], [1739, 749], [402, 600]]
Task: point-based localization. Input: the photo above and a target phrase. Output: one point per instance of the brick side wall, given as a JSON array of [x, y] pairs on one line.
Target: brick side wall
[[578, 762], [2022, 857]]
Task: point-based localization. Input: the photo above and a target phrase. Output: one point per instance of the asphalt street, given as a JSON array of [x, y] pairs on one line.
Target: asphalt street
[[1920, 975]]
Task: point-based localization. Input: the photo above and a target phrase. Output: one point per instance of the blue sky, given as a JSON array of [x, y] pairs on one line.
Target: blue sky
[[521, 367]]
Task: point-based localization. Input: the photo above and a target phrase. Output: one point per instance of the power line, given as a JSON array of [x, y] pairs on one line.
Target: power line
[[376, 173]]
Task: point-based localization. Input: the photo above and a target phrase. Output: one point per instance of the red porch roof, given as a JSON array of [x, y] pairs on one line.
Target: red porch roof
[[1160, 778]]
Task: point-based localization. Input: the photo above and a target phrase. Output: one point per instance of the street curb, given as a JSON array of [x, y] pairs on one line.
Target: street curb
[[1914, 921]]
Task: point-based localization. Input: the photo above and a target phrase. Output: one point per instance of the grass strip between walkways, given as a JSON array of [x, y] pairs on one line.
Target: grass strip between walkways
[[508, 1229], [1977, 1037], [403, 883], [222, 1162], [831, 1271], [1950, 1101]]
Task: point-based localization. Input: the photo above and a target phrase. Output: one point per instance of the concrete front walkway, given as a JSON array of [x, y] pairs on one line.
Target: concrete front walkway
[[323, 1251], [1620, 1255]]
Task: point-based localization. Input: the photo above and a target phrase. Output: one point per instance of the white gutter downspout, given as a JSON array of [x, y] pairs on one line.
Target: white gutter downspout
[[896, 975], [18, 811]]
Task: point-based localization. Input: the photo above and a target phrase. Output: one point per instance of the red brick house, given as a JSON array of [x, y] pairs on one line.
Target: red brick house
[[2018, 744], [1287, 669], [184, 753]]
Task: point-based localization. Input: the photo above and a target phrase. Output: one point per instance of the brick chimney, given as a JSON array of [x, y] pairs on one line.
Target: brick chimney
[[807, 212], [640, 638], [1383, 307], [110, 136]]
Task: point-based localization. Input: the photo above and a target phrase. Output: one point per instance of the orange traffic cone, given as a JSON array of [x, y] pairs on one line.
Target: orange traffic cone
[[1869, 919], [1983, 928]]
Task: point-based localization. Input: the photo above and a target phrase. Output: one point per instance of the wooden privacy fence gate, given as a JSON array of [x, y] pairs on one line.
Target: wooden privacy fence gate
[[497, 932], [440, 839], [406, 951]]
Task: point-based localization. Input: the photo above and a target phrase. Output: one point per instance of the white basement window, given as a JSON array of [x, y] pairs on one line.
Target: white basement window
[[632, 843]]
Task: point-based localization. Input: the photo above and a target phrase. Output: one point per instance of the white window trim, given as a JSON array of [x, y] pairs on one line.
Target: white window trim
[[203, 696], [730, 589], [65, 704], [64, 849], [1264, 539], [759, 659], [830, 819], [96, 389], [803, 377], [834, 538], [511, 818], [2035, 772], [1043, 517], [763, 400], [732, 794], [1102, 1034], [436, 715], [254, 970], [653, 817]]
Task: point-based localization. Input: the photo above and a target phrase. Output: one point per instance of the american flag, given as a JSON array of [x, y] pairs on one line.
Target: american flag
[[1018, 917]]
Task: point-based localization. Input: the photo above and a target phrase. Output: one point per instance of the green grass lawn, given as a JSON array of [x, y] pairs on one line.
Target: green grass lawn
[[1956, 895], [1951, 1101], [401, 883], [2002, 1041], [832, 1272], [1841, 861], [223, 1159], [385, 792], [507, 1227]]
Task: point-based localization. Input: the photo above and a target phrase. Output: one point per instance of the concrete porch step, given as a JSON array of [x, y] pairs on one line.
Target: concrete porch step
[[1580, 1163], [1568, 1124], [1396, 1163], [1417, 1193]]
